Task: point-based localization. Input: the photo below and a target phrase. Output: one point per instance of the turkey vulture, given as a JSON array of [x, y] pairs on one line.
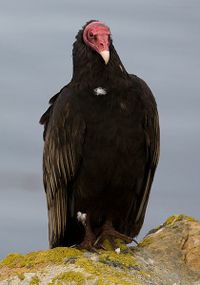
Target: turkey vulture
[[101, 147]]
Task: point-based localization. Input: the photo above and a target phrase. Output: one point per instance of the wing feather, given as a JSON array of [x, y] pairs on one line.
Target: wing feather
[[152, 138], [64, 137], [153, 152]]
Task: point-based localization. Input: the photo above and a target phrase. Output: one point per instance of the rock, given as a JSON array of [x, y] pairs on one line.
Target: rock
[[168, 255]]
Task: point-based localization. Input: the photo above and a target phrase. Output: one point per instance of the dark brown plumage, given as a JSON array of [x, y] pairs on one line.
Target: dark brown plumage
[[100, 152]]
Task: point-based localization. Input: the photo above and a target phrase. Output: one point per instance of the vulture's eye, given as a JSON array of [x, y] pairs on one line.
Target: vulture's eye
[[91, 35]]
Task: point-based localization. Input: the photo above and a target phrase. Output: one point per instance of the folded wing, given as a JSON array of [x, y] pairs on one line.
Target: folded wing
[[64, 132]]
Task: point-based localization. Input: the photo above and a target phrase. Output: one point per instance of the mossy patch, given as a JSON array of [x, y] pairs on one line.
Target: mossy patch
[[67, 277], [39, 258], [20, 276], [16, 263], [125, 260], [176, 218], [34, 280], [146, 241], [170, 221], [149, 238], [120, 244], [111, 268]]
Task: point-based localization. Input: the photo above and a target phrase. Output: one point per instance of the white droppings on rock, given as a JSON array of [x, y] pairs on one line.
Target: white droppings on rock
[[100, 91], [117, 250], [150, 261]]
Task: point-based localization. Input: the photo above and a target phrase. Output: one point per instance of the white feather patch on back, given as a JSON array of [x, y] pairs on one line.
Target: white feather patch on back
[[81, 217], [100, 91]]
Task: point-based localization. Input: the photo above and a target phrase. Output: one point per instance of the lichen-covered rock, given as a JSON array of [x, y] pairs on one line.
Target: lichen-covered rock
[[168, 255]]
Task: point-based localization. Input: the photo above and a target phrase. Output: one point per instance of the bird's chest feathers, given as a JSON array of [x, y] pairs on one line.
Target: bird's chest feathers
[[110, 113], [110, 99], [113, 120]]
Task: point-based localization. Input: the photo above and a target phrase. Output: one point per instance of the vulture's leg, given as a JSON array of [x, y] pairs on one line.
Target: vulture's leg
[[109, 233], [89, 237]]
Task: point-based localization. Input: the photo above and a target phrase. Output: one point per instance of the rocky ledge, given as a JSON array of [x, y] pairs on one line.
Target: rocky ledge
[[169, 254]]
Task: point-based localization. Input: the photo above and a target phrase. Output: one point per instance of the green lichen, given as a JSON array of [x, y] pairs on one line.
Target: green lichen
[[171, 220], [12, 260], [67, 277], [109, 268], [107, 245], [20, 276], [34, 280], [16, 263], [146, 241], [35, 259], [119, 243], [106, 272], [125, 260]]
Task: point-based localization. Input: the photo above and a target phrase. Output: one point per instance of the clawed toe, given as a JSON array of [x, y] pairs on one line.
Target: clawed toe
[[117, 235], [135, 241], [87, 246], [111, 236]]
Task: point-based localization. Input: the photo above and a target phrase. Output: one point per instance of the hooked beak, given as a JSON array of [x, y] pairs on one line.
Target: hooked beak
[[105, 55]]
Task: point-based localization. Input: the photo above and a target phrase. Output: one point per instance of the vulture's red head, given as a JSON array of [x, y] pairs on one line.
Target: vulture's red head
[[96, 35]]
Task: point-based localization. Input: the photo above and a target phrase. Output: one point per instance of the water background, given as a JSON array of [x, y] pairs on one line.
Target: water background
[[157, 40]]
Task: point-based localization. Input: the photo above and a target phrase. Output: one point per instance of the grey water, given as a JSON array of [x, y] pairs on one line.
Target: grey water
[[157, 40]]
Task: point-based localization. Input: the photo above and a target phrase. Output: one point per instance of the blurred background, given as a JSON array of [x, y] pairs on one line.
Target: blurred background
[[157, 40]]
